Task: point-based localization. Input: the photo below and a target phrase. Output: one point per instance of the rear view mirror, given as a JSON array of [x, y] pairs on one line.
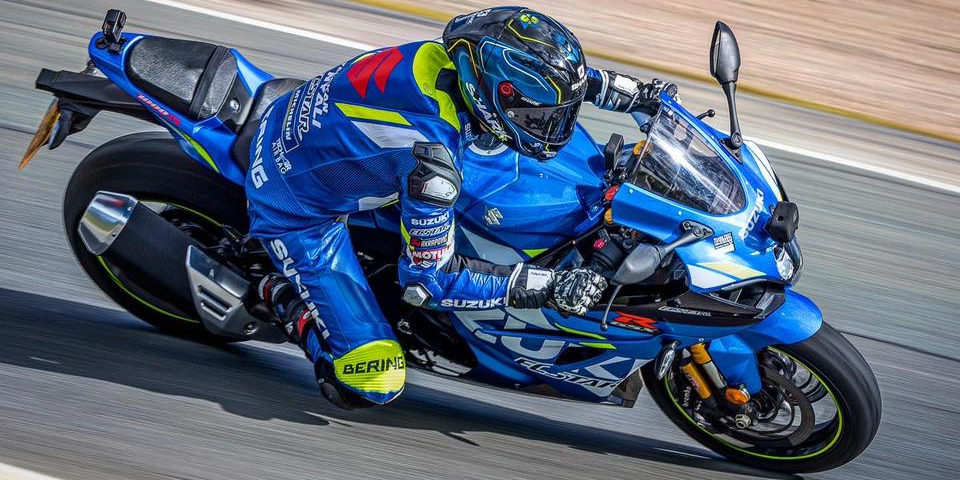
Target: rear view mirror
[[611, 152], [639, 265], [725, 67], [724, 55]]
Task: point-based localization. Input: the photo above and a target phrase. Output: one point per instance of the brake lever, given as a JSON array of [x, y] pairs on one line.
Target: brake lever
[[693, 232]]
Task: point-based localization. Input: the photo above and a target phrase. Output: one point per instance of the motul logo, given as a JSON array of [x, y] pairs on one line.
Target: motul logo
[[379, 66]]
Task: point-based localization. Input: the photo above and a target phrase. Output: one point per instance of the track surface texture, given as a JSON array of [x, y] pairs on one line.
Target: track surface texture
[[87, 391]]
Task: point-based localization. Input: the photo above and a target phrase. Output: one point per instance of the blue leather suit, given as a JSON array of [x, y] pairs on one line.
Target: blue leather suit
[[342, 143]]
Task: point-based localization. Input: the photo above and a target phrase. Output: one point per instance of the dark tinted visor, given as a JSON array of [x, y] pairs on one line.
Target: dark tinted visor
[[552, 124]]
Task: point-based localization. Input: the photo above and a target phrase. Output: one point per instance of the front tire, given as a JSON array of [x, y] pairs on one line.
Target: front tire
[[151, 167], [848, 382]]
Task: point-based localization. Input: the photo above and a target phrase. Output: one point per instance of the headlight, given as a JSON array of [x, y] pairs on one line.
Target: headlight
[[785, 264], [789, 261]]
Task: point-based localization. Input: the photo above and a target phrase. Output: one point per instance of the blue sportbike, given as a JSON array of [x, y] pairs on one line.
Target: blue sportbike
[[691, 225]]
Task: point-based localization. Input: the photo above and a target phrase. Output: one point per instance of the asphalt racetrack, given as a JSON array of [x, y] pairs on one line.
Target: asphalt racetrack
[[87, 391]]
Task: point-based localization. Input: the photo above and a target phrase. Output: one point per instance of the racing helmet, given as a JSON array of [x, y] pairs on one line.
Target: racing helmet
[[522, 75]]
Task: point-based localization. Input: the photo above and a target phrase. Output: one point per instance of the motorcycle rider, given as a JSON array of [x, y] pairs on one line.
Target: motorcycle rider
[[388, 126]]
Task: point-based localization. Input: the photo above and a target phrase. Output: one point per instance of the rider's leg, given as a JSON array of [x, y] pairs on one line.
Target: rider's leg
[[339, 324]]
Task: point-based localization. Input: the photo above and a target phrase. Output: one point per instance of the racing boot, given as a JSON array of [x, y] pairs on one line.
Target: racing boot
[[295, 319]]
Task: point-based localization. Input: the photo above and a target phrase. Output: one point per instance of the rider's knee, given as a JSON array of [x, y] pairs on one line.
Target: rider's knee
[[369, 375]]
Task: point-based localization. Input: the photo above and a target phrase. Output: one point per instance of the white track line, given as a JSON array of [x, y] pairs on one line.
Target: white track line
[[9, 472], [267, 25], [889, 172], [825, 157]]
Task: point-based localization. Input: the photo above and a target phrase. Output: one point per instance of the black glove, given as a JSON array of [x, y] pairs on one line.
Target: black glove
[[623, 93], [530, 287], [573, 291]]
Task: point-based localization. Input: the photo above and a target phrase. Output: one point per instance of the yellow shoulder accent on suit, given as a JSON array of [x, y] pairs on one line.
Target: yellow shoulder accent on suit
[[429, 60]]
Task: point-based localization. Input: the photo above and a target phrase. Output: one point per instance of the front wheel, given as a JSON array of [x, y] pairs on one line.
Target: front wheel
[[819, 407]]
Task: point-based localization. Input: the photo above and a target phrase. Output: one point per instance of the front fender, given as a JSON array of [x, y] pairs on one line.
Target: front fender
[[735, 355]]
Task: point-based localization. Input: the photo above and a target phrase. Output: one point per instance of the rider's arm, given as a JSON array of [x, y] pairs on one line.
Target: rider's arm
[[431, 272], [614, 91]]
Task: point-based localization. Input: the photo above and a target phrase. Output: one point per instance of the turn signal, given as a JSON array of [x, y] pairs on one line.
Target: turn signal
[[738, 395], [608, 216], [611, 192]]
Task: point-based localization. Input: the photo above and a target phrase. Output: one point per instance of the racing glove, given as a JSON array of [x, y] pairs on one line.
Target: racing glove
[[571, 291], [617, 92]]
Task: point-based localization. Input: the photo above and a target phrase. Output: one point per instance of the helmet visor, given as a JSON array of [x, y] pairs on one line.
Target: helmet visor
[[552, 124]]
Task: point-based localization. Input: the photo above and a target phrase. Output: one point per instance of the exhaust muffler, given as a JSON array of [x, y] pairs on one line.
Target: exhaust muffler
[[159, 257]]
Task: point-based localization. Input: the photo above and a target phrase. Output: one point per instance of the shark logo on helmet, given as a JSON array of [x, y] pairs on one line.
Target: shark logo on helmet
[[488, 117]]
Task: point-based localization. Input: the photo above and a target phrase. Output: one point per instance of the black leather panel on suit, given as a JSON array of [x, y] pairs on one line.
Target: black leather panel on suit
[[267, 94]]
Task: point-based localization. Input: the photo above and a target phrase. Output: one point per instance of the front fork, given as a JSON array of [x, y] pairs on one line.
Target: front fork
[[730, 364]]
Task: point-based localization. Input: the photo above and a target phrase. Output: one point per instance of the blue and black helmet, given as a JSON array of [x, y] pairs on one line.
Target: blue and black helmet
[[522, 75]]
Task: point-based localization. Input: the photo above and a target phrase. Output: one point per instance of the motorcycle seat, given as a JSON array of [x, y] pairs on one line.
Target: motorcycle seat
[[266, 94], [193, 78]]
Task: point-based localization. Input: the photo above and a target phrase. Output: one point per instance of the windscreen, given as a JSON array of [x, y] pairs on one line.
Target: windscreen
[[678, 164]]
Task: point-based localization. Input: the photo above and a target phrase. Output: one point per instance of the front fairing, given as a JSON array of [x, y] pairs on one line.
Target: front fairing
[[740, 250]]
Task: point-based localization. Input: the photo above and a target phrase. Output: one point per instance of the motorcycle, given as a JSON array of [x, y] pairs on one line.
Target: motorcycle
[[692, 227]]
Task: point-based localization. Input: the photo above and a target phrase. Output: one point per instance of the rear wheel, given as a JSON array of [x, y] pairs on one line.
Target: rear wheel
[[153, 168], [819, 407]]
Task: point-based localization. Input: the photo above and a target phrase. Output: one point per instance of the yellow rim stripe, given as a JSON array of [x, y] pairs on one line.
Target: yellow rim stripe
[[137, 298], [367, 113], [666, 384]]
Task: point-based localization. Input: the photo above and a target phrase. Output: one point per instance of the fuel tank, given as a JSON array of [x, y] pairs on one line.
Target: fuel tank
[[513, 208]]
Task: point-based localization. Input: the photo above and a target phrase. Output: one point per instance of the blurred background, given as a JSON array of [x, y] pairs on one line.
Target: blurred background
[[853, 101]]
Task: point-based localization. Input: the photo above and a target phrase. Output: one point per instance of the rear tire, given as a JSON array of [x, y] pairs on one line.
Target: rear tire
[[150, 166], [845, 374]]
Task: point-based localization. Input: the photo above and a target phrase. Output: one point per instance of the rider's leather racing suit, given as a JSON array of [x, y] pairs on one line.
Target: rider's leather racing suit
[[343, 143]]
